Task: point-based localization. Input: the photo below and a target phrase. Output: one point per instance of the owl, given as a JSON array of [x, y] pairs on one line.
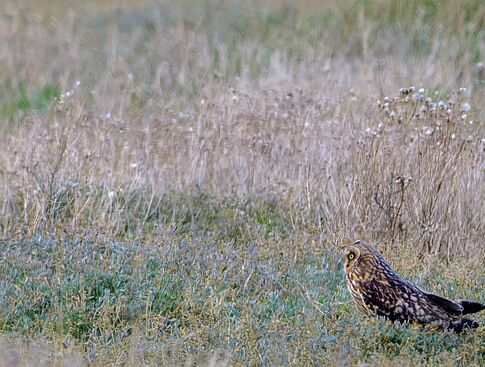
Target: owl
[[378, 290]]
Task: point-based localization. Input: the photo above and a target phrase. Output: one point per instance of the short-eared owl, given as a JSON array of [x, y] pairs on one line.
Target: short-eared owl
[[378, 290]]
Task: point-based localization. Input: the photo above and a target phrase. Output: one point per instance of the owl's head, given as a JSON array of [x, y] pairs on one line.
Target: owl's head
[[360, 254]]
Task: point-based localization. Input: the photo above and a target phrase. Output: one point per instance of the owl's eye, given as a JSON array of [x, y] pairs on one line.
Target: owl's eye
[[351, 256]]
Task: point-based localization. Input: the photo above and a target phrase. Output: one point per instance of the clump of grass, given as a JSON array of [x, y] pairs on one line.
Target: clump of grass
[[415, 170], [407, 171]]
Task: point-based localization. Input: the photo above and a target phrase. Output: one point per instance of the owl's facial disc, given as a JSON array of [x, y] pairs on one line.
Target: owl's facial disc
[[351, 256]]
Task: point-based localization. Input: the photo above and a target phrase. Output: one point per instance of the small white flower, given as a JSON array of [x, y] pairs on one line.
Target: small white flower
[[427, 130], [370, 133], [111, 194], [133, 165], [78, 83], [465, 107], [421, 91]]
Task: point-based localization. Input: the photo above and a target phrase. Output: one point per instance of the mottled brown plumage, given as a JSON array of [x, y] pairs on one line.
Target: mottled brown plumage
[[378, 290]]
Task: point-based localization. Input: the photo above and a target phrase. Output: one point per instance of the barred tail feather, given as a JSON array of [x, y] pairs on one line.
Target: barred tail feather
[[470, 306]]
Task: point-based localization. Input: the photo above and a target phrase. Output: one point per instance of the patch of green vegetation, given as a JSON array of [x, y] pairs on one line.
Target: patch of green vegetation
[[197, 283], [228, 219], [24, 101], [71, 292]]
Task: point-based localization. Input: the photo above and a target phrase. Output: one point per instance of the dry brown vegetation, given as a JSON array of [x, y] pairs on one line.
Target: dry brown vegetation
[[173, 175]]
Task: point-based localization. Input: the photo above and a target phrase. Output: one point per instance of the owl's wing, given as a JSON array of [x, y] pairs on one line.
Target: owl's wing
[[455, 307], [382, 299], [450, 306]]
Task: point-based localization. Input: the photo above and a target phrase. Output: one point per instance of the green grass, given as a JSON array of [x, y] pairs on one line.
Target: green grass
[[268, 297], [25, 102]]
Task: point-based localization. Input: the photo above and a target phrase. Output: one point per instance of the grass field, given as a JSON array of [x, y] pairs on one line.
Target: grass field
[[176, 178]]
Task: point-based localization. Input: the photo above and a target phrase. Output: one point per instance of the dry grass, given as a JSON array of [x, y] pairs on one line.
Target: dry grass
[[173, 177]]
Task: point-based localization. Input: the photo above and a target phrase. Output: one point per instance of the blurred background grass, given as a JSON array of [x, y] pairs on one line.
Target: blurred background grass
[[174, 177]]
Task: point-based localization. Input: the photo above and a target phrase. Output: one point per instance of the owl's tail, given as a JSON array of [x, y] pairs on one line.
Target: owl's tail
[[470, 306], [457, 306], [462, 324]]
